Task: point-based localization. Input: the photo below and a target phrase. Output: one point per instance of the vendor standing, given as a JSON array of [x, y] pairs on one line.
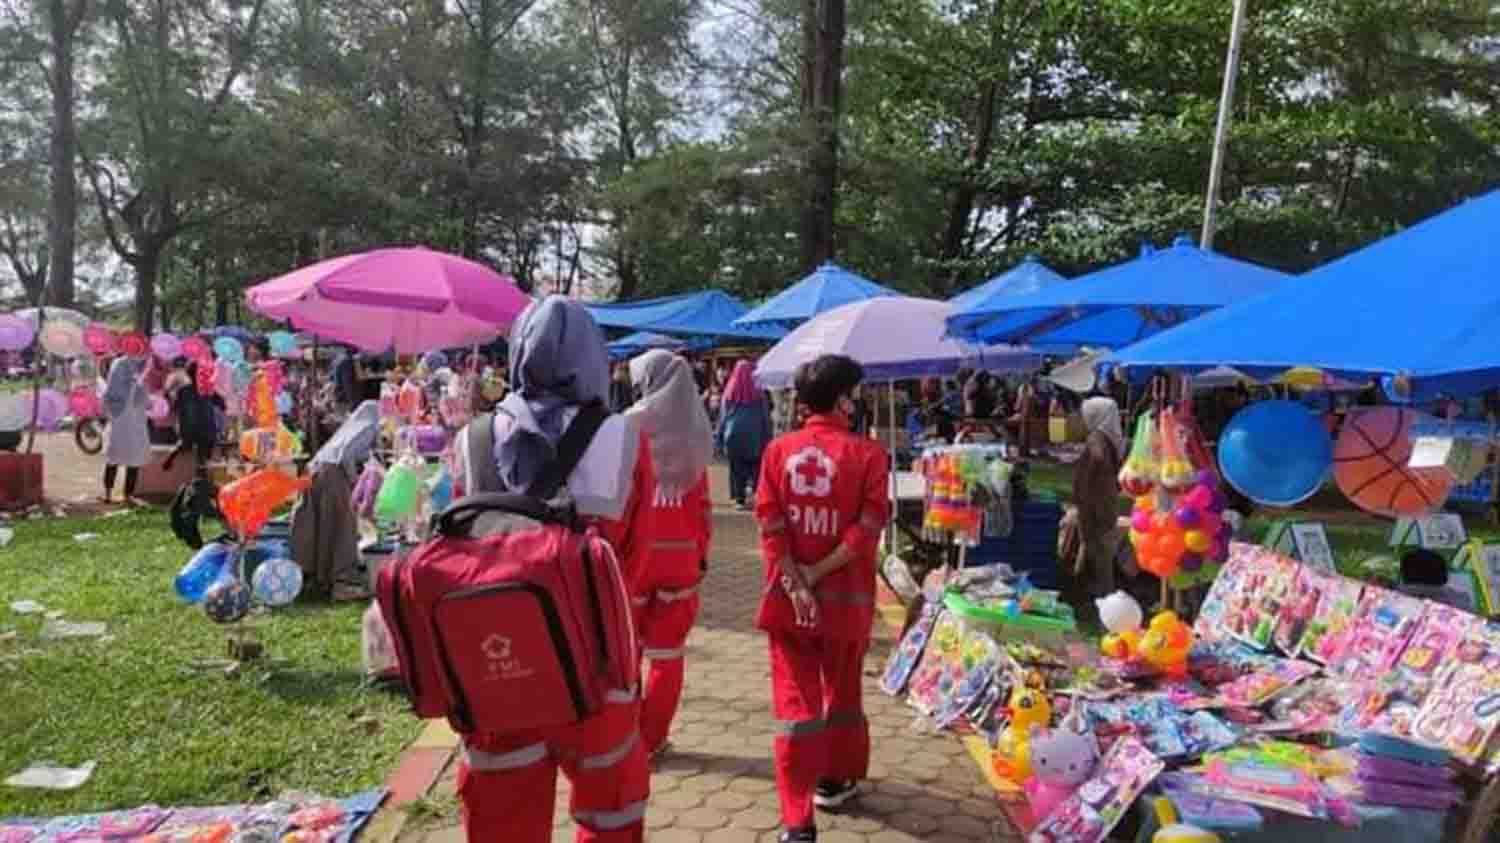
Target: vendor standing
[[1096, 493], [821, 504], [127, 442]]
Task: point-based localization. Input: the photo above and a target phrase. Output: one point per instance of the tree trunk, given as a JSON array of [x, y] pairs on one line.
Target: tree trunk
[[147, 269], [822, 84], [62, 222], [962, 205]]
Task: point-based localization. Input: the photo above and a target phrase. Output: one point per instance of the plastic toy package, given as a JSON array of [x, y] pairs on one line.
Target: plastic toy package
[[904, 659], [1259, 687], [1462, 710], [1091, 812], [1379, 633], [936, 675], [1227, 591], [1300, 610], [1269, 585]]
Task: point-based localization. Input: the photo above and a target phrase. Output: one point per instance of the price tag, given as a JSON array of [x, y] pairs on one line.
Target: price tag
[[1440, 531], [1305, 541]]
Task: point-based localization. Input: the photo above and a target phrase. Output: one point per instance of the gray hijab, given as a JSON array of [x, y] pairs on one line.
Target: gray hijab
[[558, 363], [682, 440], [352, 442], [123, 376]]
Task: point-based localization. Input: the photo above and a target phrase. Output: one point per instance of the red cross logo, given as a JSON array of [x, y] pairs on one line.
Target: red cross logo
[[811, 472]]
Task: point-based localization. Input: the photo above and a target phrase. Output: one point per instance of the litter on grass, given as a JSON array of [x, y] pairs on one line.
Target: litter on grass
[[26, 607], [57, 629], [85, 537], [49, 776]]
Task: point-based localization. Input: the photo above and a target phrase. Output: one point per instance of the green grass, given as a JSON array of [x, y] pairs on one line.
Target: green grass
[[160, 732]]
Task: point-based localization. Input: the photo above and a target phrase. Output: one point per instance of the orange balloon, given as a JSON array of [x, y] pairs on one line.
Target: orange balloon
[[1172, 545], [248, 502]]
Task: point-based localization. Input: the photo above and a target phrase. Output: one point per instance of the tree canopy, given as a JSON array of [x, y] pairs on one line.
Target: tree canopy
[[181, 150]]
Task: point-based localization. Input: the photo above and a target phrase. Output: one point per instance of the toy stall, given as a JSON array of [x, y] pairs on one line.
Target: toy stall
[[1299, 704]]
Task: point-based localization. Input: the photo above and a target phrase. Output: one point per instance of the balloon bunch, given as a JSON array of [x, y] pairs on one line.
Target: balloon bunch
[[1185, 535], [949, 508], [1138, 474]]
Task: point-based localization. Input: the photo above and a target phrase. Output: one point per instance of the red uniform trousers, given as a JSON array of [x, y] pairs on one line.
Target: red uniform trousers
[[817, 698], [663, 620], [508, 783]]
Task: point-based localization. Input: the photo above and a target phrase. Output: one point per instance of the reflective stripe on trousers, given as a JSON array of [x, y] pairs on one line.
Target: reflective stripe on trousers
[[799, 728], [612, 757], [493, 762], [659, 655], [612, 820]]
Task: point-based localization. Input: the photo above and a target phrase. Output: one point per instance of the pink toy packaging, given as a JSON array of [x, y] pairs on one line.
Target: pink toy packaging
[[1091, 812], [1225, 592], [1301, 608], [1253, 689], [1462, 710], [1326, 634], [1268, 585], [1381, 628]]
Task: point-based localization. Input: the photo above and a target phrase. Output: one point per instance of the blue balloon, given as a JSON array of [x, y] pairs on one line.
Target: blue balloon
[[1275, 453], [282, 344], [210, 564], [283, 404], [229, 350]]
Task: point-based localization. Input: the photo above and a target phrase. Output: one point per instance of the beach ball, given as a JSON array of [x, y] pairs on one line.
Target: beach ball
[[99, 339], [1275, 452], [1369, 464], [227, 601], [228, 349], [194, 348], [15, 411], [51, 408], [15, 333], [209, 565], [83, 403], [282, 343], [64, 339], [166, 346], [157, 407], [277, 582]]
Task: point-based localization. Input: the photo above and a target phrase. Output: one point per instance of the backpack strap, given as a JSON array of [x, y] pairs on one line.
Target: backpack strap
[[481, 441], [570, 450]]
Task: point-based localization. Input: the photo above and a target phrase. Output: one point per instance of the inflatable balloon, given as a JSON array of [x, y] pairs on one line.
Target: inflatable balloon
[[248, 502], [429, 440], [434, 360], [261, 402], [282, 343], [99, 339], [1370, 465], [64, 339], [277, 582], [388, 408], [15, 333], [212, 562], [194, 348], [51, 408], [166, 347], [1275, 453], [83, 403], [283, 404], [224, 379], [440, 489], [229, 349], [157, 408], [409, 401], [133, 344], [398, 494], [267, 444], [227, 602]]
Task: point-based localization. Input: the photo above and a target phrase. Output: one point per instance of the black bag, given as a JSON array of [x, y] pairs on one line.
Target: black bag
[[195, 500]]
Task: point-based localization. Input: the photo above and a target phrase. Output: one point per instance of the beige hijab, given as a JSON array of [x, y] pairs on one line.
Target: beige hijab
[[671, 411]]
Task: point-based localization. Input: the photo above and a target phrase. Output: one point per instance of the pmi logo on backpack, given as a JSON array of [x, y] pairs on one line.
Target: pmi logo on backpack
[[500, 664]]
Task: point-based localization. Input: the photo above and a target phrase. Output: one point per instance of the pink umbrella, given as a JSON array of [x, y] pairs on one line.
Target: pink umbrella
[[411, 300]]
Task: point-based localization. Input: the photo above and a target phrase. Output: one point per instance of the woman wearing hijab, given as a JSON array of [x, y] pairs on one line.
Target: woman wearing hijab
[[666, 593], [1096, 493], [507, 781], [126, 440], [744, 431], [325, 532]]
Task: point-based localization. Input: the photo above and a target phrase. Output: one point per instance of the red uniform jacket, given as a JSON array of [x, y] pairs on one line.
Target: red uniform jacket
[[820, 487], [632, 535], [682, 527]]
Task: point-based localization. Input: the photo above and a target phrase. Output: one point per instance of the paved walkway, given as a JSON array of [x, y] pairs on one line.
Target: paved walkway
[[716, 786]]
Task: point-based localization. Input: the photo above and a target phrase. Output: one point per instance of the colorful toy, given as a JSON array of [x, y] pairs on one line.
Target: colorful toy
[[277, 582], [1172, 831], [65, 339], [194, 348], [366, 489], [229, 350], [15, 333], [51, 407], [1137, 475], [227, 601], [1370, 465], [1166, 643], [133, 344], [83, 403], [269, 444], [282, 343], [398, 498], [1275, 452], [1028, 707], [410, 402], [248, 502], [1094, 809], [1061, 760], [1122, 616], [1175, 471], [99, 339], [157, 408], [211, 563], [166, 347]]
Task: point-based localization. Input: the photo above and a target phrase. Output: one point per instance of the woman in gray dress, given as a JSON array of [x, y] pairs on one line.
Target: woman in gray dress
[[126, 440]]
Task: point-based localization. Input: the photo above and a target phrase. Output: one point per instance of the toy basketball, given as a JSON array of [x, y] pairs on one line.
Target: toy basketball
[[1370, 465], [227, 601], [1275, 452]]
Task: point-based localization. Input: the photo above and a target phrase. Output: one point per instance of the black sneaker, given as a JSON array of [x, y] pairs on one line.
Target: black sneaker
[[799, 835], [834, 794]]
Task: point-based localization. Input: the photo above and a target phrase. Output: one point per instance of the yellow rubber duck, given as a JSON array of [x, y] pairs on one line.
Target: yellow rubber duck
[[1166, 643]]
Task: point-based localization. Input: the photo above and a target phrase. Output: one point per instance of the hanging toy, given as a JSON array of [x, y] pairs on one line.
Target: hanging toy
[[388, 408], [274, 443], [410, 401], [248, 502], [1176, 472], [366, 489], [1138, 474], [397, 500]]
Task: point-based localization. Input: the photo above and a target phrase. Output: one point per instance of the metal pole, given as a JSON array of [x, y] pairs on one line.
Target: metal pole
[[1221, 132]]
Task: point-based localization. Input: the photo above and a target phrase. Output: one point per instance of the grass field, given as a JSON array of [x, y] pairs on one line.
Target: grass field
[[160, 732]]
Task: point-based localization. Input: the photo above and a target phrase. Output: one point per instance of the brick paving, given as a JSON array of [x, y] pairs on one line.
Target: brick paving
[[716, 785]]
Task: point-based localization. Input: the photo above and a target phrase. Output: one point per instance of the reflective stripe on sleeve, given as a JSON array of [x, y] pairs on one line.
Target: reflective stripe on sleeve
[[492, 762], [612, 757], [674, 596], [620, 697]]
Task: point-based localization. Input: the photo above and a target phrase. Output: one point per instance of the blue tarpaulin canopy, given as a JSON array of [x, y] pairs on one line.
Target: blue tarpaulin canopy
[[1424, 303], [1119, 305], [1028, 276], [643, 341], [709, 313], [829, 286]]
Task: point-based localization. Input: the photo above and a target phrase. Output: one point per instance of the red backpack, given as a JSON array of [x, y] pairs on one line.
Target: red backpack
[[527, 627]]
